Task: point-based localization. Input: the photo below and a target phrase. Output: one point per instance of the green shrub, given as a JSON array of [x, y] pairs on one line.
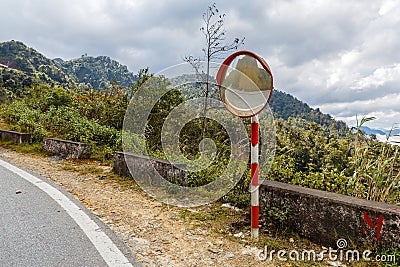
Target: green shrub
[[50, 112]]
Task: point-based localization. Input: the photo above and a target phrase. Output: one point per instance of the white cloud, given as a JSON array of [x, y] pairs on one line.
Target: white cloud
[[388, 6], [386, 109], [379, 78]]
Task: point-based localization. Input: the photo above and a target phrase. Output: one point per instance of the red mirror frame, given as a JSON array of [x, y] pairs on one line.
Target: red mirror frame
[[225, 65]]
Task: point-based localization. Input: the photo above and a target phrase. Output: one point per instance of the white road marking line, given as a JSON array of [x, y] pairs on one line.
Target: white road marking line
[[104, 245]]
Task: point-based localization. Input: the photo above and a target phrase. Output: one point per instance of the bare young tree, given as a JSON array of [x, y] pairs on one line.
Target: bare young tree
[[215, 47]]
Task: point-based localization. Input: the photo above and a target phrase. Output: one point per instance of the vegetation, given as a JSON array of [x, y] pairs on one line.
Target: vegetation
[[86, 116], [307, 153], [313, 150], [85, 100], [376, 167]]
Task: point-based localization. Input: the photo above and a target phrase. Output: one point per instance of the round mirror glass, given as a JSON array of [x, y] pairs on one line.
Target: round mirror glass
[[245, 83]]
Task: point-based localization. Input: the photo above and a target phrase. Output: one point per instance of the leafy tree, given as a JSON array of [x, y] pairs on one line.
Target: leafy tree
[[160, 111]]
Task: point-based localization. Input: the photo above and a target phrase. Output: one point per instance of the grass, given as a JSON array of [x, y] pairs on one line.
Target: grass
[[29, 148], [82, 169], [124, 182], [4, 125]]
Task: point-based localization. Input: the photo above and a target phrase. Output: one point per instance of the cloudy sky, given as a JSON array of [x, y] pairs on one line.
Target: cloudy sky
[[342, 56]]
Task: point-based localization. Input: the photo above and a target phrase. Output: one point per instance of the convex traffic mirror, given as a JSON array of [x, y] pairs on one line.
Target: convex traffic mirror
[[245, 83]]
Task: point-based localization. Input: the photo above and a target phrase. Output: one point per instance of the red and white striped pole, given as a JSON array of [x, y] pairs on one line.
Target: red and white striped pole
[[254, 177]]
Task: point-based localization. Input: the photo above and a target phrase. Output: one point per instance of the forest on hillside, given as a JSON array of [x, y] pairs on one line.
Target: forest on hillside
[[22, 66]]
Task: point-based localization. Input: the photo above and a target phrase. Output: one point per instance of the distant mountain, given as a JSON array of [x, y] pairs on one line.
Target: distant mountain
[[390, 136], [21, 66], [395, 131], [369, 131], [58, 60]]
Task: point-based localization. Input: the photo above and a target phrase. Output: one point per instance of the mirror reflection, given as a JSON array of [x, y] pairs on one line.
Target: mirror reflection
[[246, 86]]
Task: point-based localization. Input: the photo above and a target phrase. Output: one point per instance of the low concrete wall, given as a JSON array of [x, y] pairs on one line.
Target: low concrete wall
[[175, 173], [16, 137], [325, 217], [67, 149]]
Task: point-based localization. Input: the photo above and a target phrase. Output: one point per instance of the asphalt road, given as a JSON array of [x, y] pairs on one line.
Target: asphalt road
[[42, 225]]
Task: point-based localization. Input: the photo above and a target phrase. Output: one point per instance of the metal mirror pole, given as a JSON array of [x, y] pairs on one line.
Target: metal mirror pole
[[254, 177]]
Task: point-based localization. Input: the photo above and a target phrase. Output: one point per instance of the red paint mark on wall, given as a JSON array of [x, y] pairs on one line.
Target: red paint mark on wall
[[378, 224]]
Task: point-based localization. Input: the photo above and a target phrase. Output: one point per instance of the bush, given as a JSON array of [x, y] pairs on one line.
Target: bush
[[67, 114]]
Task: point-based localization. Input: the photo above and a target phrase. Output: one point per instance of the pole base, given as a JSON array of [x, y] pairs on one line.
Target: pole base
[[254, 234]]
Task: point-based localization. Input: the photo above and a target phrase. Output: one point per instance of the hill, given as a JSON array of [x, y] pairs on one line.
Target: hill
[[286, 106], [99, 72], [21, 66]]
